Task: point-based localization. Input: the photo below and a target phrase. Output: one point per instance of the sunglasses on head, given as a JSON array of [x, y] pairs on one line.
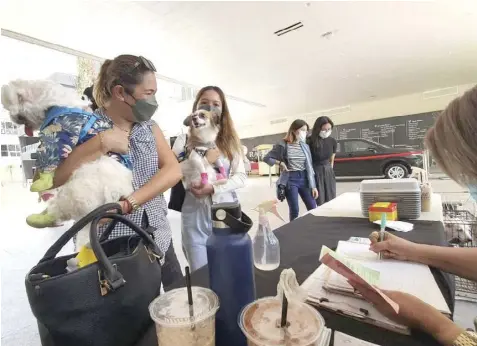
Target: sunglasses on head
[[142, 61]]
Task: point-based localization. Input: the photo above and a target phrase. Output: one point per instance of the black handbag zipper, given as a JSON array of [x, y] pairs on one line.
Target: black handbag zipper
[[39, 276]]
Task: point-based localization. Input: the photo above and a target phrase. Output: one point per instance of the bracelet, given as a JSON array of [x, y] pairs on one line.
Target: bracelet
[[465, 339], [134, 204]]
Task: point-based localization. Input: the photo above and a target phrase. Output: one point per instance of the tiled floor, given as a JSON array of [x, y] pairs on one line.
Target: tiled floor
[[21, 247]]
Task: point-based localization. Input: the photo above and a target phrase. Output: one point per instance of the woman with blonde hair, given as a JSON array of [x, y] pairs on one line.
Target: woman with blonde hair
[[125, 94], [452, 142], [196, 215]]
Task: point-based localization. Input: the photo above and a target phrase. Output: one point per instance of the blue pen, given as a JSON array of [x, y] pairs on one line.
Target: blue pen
[[381, 232]]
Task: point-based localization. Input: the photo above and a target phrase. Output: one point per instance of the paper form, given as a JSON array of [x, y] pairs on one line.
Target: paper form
[[355, 272], [371, 276]]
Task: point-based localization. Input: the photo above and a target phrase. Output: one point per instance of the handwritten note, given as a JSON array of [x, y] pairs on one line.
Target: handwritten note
[[354, 271], [371, 276]]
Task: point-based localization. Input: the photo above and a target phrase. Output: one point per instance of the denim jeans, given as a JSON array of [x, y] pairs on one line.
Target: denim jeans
[[298, 185], [196, 229]]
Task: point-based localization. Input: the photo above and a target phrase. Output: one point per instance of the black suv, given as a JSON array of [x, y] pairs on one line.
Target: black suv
[[362, 157]]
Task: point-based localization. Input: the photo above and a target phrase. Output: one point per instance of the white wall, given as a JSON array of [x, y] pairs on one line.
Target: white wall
[[386, 108]]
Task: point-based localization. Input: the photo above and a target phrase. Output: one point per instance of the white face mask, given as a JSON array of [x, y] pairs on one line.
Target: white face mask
[[325, 134], [302, 136]]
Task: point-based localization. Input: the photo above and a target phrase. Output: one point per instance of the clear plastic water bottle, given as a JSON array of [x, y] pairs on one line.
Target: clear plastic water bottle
[[266, 247]]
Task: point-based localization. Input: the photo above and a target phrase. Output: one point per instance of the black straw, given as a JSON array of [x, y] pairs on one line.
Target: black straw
[[283, 321], [189, 287]]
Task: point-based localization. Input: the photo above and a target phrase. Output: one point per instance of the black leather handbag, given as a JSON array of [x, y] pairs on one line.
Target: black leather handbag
[[101, 304]]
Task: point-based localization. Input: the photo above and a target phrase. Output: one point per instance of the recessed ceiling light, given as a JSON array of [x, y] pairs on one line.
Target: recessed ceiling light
[[357, 76], [307, 4], [372, 97], [450, 52]]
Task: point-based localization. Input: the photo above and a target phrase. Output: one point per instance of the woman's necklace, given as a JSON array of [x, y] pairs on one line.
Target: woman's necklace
[[119, 127], [128, 133]]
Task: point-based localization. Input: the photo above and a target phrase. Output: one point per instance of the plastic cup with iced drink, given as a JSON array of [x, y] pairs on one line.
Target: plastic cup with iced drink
[[260, 322], [178, 323]]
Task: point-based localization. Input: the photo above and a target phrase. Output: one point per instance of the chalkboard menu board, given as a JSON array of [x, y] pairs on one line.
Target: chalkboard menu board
[[402, 131]]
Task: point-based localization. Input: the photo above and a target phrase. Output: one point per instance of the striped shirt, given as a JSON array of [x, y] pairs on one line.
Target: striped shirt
[[145, 161], [296, 157]]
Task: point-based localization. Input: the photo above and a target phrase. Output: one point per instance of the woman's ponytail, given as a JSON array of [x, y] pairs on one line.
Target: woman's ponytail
[[101, 90]]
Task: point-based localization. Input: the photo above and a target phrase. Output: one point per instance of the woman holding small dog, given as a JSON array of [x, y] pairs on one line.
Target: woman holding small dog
[[297, 174], [196, 214], [125, 94]]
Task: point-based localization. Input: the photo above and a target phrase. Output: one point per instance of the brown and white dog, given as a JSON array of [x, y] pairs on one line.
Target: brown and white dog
[[204, 126]]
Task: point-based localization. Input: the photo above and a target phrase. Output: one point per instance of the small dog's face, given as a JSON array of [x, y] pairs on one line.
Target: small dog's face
[[28, 100], [201, 119], [19, 98]]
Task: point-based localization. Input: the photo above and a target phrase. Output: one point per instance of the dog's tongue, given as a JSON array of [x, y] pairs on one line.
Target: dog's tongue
[[28, 131]]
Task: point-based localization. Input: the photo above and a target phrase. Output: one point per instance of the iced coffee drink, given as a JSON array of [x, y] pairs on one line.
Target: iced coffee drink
[[178, 323], [260, 322]]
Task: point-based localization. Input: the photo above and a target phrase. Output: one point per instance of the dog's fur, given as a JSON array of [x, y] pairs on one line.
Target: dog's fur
[[93, 184], [203, 129]]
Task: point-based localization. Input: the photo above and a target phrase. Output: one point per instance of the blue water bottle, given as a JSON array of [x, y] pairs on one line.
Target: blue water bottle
[[231, 271]]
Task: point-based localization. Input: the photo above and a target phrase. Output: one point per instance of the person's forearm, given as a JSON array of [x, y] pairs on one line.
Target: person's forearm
[[89, 151], [440, 327], [458, 261], [162, 181], [236, 181], [269, 160]]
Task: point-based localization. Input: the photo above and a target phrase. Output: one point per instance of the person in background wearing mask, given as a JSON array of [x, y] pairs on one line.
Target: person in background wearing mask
[[453, 144], [125, 94], [298, 176], [195, 214], [323, 151]]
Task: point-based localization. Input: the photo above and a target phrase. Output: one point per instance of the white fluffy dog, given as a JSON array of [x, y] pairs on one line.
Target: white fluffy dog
[[93, 184]]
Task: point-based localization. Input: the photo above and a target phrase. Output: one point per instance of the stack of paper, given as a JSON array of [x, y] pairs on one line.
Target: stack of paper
[[329, 288], [408, 277], [350, 306]]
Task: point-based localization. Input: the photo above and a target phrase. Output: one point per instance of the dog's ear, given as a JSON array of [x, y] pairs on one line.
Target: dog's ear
[[12, 97], [187, 121]]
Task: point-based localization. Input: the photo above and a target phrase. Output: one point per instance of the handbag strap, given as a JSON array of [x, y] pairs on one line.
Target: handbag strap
[[144, 225], [113, 278], [78, 226]]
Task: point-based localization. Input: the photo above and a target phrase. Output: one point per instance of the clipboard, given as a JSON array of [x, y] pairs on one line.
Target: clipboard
[[348, 306]]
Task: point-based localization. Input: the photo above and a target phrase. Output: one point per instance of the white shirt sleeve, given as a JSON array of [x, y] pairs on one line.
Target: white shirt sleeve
[[179, 147], [237, 176]]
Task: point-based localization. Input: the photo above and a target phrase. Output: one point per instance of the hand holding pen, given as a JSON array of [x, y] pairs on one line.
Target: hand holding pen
[[393, 247]]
